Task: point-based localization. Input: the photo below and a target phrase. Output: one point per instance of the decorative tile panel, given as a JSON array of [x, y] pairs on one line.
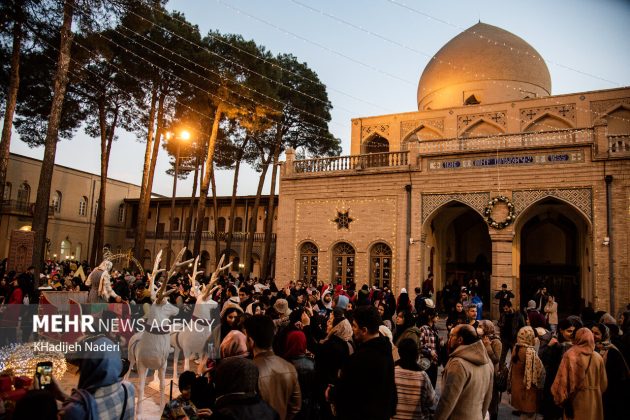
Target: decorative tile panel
[[565, 111], [580, 198], [431, 202], [468, 120], [381, 129], [599, 108]]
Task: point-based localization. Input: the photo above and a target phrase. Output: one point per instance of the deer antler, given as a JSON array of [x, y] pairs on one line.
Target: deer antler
[[171, 272], [155, 273], [215, 276], [193, 276]]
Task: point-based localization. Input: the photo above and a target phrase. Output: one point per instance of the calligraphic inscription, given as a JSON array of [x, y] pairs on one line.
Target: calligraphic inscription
[[575, 156]]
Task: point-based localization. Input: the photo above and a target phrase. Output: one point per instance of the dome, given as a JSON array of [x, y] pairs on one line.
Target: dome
[[483, 64]]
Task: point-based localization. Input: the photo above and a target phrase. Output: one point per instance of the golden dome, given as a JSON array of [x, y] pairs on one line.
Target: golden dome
[[483, 64]]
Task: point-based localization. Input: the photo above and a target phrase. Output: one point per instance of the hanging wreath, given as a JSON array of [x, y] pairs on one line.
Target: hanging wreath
[[509, 219]]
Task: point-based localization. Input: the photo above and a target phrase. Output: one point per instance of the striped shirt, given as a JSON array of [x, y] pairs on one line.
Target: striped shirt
[[416, 396]]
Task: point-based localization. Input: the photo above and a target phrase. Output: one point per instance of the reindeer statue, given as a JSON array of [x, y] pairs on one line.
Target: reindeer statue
[[149, 349], [193, 341]]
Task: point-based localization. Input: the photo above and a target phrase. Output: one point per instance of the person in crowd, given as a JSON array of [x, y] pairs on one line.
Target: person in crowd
[[368, 377], [324, 306], [540, 298], [237, 381], [13, 310], [429, 342], [427, 286], [467, 378], [416, 395], [510, 322], [403, 303], [448, 300], [333, 353], [229, 316], [581, 379], [278, 380], [471, 315], [493, 346], [504, 295], [551, 314], [551, 357], [296, 353], [617, 373], [99, 281], [404, 321], [234, 344], [418, 303], [182, 404], [381, 311], [534, 318], [527, 373], [456, 317], [624, 323]]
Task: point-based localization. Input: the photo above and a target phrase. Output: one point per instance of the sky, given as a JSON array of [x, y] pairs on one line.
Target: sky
[[370, 55]]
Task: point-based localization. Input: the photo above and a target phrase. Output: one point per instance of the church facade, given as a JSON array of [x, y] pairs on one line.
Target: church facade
[[493, 178]]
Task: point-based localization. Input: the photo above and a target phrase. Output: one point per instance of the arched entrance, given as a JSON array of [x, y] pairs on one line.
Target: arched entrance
[[458, 248], [554, 252]]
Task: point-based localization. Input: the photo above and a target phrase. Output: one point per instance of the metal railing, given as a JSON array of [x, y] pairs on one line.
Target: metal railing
[[22, 207], [344, 163], [206, 236]]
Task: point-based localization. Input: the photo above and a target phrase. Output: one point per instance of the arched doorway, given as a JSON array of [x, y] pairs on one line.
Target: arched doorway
[[458, 248], [554, 253], [308, 262]]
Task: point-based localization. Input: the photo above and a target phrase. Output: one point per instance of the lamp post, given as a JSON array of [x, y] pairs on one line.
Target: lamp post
[[185, 136]]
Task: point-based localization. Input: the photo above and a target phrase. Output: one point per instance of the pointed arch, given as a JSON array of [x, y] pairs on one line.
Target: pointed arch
[[428, 217], [375, 143], [481, 128], [617, 119], [430, 133], [523, 214], [548, 122]]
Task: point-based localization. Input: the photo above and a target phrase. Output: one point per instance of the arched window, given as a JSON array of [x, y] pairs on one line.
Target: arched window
[[56, 201], [175, 224], [66, 248], [380, 265], [23, 196], [121, 213], [83, 206], [7, 191], [221, 224], [238, 224], [343, 263], [308, 262]]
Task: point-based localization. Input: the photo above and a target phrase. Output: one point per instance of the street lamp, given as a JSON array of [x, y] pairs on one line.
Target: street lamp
[[183, 136]]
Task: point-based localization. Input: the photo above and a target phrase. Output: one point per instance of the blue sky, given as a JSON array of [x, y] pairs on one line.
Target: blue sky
[[371, 53]]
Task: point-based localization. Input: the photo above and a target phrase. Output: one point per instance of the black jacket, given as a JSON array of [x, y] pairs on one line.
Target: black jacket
[[366, 389], [243, 407]]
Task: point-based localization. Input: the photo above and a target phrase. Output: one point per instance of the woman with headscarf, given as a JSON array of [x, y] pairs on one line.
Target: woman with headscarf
[[581, 379], [493, 346], [617, 373], [296, 353], [527, 374], [332, 353], [404, 321]]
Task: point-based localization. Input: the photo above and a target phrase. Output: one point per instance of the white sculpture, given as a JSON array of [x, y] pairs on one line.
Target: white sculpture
[[149, 349]]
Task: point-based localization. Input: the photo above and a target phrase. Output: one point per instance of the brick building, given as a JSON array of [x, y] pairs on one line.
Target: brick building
[[493, 177]]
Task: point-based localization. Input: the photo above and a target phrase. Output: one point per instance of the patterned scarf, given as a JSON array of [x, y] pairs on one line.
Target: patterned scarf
[[342, 330], [534, 369], [572, 371]]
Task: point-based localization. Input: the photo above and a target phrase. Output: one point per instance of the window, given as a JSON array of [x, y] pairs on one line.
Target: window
[[175, 224], [238, 224], [380, 265], [24, 196], [472, 100], [308, 262], [56, 201], [221, 224], [121, 213], [206, 223], [7, 191], [83, 206], [343, 264], [159, 231]]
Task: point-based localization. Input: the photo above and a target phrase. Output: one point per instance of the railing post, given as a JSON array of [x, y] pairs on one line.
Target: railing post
[[288, 169]]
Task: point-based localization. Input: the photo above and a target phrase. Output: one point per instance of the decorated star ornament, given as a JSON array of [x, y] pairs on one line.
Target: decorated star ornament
[[343, 219]]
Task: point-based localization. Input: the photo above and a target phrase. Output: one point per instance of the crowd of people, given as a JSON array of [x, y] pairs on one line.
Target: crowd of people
[[321, 351]]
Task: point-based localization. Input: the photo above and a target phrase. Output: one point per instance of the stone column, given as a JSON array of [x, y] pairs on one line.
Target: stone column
[[287, 168], [502, 268]]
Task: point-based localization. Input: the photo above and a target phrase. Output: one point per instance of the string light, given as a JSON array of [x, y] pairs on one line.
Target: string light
[[22, 360]]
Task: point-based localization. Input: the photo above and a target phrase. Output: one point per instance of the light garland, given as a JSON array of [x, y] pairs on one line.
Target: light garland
[[509, 219], [22, 360]]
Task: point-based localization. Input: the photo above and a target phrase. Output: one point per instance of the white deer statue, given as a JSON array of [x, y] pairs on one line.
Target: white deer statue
[[193, 341], [149, 349]]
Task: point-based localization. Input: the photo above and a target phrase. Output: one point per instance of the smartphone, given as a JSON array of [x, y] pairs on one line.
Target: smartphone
[[44, 373]]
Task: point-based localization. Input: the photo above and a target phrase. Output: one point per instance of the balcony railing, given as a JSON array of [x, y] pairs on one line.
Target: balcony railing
[[344, 163], [206, 236], [619, 145], [22, 208]]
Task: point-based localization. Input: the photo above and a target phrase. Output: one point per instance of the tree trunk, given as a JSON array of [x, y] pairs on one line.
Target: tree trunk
[[192, 204], [270, 207], [252, 229], [205, 183], [141, 222], [14, 84], [228, 238], [107, 138], [215, 211], [40, 216]]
